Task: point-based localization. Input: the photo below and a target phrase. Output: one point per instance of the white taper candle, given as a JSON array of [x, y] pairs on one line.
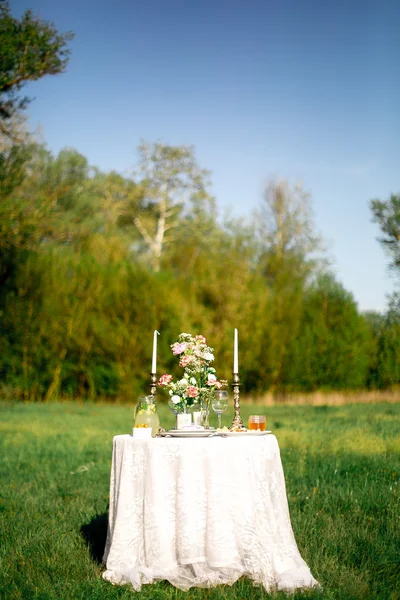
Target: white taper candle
[[235, 353], [154, 361]]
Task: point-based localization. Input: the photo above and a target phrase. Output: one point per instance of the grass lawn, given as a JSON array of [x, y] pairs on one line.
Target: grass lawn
[[342, 468]]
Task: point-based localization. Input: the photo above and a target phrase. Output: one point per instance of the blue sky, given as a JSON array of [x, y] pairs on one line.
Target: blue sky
[[298, 89]]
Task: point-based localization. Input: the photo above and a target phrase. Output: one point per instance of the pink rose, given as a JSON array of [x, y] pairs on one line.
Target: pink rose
[[200, 338], [192, 391], [186, 360], [178, 348], [165, 379], [218, 385]]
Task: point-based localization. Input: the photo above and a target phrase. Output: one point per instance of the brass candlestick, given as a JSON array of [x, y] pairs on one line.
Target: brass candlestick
[[153, 384], [237, 422]]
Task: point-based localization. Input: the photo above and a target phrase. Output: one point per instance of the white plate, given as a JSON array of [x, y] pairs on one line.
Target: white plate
[[242, 433], [185, 433], [193, 430], [211, 433]]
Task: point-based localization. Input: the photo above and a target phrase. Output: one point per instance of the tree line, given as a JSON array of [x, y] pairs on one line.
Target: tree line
[[91, 262]]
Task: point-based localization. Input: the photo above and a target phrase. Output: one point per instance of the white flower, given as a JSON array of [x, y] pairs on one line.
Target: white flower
[[176, 399], [211, 378], [193, 381], [183, 382], [208, 356], [170, 392]]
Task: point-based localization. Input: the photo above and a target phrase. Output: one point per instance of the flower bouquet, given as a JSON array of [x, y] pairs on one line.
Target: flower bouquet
[[196, 388]]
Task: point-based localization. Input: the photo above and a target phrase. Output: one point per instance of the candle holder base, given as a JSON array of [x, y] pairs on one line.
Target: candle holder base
[[153, 384], [237, 423]]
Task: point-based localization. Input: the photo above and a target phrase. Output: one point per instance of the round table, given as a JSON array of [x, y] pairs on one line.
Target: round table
[[201, 512]]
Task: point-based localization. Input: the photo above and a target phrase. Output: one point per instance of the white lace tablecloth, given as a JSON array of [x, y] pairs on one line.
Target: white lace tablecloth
[[201, 512]]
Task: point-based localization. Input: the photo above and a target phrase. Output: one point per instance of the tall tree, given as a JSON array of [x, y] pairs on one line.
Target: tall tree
[[387, 214], [288, 247], [171, 181], [30, 48], [332, 347], [285, 227]]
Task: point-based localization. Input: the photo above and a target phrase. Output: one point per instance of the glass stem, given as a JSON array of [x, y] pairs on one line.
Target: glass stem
[[219, 421]]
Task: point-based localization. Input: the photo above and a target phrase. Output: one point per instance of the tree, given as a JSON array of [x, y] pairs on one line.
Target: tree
[[388, 341], [171, 180], [387, 215], [287, 252], [285, 226], [30, 48], [332, 347]]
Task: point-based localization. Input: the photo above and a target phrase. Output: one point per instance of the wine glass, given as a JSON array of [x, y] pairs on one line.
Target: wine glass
[[219, 404]]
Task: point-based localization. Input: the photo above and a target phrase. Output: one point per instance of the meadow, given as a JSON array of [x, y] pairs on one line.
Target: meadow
[[342, 468]]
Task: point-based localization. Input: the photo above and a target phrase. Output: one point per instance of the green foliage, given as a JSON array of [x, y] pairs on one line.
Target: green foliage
[[173, 186], [388, 339], [79, 298], [83, 336], [387, 215], [30, 49], [341, 466], [331, 350], [13, 161]]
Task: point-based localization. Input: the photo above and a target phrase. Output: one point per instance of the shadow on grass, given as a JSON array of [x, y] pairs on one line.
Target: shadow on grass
[[95, 535]]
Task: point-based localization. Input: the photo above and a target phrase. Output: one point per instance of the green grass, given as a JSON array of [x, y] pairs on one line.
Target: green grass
[[342, 467]]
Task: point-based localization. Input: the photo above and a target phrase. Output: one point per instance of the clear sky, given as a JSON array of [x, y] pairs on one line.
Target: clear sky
[[300, 89]]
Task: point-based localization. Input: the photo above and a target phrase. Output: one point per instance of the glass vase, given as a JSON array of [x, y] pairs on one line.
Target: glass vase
[[183, 416], [205, 415]]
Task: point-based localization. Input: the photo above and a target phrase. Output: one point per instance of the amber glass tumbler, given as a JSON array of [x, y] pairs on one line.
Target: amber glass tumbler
[[257, 423]]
